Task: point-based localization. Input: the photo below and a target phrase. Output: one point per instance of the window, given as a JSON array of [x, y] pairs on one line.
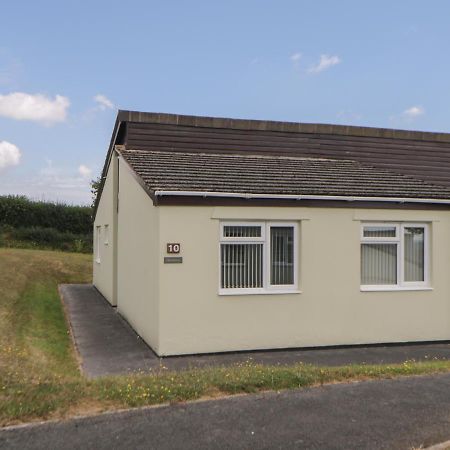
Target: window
[[106, 238], [97, 243], [394, 256], [258, 257]]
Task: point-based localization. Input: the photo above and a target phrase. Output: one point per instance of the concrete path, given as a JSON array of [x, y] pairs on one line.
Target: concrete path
[[403, 413], [108, 345]]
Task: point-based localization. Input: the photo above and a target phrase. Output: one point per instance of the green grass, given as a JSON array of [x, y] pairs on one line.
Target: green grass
[[38, 368], [39, 376]]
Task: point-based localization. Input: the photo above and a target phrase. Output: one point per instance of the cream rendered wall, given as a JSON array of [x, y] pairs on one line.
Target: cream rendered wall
[[331, 310], [104, 272], [138, 254]]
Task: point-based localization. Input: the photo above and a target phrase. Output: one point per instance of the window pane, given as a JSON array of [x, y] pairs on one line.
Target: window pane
[[241, 266], [378, 264], [241, 231], [281, 255], [98, 242], [414, 244], [381, 231], [106, 238]]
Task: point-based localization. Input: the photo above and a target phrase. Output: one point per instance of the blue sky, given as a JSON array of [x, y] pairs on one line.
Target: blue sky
[[65, 68]]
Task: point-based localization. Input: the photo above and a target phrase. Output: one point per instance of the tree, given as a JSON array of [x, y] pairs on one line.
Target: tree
[[95, 186]]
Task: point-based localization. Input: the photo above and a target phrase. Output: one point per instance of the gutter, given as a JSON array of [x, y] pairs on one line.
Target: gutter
[[300, 197]]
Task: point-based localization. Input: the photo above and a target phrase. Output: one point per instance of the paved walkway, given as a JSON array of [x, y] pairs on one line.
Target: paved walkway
[[108, 345], [404, 413]]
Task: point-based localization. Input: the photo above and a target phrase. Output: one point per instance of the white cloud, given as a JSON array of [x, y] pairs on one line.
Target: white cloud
[[295, 57], [325, 62], [408, 116], [58, 183], [413, 112], [50, 182], [84, 171], [103, 102], [9, 155], [34, 107]]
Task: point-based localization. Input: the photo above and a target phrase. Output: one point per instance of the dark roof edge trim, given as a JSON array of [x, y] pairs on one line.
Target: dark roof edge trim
[[268, 125], [106, 165], [247, 203], [300, 197]]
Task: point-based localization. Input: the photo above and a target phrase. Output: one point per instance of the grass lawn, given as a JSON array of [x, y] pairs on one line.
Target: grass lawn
[[39, 376]]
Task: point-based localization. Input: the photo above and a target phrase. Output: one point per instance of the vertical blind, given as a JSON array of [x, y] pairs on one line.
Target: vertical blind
[[247, 254], [394, 259], [379, 231], [281, 255], [414, 246], [242, 265], [378, 264], [241, 231]]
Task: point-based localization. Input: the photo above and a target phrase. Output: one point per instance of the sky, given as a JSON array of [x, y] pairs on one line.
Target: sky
[[66, 67]]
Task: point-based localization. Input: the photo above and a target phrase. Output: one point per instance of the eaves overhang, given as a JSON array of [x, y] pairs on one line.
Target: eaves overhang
[[299, 197]]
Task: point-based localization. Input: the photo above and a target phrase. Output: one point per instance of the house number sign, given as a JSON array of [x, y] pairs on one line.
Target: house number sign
[[173, 248]]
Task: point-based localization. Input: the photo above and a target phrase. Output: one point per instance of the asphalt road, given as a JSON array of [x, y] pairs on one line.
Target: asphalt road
[[395, 414]]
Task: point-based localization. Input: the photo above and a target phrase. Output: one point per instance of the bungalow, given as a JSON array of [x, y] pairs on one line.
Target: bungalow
[[216, 235]]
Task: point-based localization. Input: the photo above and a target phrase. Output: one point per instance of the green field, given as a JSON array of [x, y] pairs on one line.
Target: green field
[[39, 375]]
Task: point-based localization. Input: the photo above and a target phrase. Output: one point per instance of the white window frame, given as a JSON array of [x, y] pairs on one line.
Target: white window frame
[[267, 288], [401, 285], [98, 231], [242, 239], [106, 234]]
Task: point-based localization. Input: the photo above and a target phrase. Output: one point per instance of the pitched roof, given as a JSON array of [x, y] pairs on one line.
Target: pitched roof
[[273, 175], [422, 154], [324, 158]]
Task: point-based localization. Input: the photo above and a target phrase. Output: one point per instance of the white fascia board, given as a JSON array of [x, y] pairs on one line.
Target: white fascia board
[[301, 197]]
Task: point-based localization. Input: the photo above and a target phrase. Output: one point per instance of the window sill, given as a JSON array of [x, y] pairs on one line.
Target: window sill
[[394, 288], [237, 292]]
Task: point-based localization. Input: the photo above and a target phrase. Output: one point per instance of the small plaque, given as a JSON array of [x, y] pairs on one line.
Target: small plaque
[[173, 259], [173, 247]]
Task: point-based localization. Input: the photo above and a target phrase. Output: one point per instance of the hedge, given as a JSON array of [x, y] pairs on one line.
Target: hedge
[[44, 238], [19, 211]]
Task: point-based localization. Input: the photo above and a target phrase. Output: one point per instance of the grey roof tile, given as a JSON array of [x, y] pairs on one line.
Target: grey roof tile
[[256, 174]]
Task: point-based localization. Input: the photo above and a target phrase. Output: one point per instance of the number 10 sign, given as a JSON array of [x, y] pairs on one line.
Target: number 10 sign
[[173, 248]]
